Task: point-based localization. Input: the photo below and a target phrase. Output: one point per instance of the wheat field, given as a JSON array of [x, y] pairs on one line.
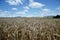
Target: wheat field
[[29, 29]]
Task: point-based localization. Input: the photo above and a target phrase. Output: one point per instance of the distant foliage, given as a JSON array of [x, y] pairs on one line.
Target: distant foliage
[[58, 16]]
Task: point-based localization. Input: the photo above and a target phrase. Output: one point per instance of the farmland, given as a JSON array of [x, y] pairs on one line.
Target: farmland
[[29, 29]]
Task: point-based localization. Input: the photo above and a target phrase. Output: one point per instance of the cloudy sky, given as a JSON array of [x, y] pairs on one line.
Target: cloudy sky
[[29, 8]]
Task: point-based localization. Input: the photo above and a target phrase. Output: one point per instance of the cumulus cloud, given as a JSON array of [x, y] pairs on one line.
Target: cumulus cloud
[[15, 9], [46, 10], [9, 14], [26, 7], [25, 10], [30, 16], [5, 14], [58, 8], [31, 1], [34, 4], [22, 12], [14, 2]]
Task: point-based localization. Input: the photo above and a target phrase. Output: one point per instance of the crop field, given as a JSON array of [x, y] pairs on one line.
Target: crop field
[[29, 29]]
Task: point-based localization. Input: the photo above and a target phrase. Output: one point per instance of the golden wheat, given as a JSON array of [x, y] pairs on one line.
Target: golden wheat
[[29, 29]]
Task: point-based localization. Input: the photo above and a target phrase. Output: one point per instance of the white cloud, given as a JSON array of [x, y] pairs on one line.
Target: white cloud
[[35, 4], [31, 1], [5, 14], [15, 9], [26, 7], [29, 16], [25, 11], [22, 12], [14, 2], [58, 8], [9, 14], [46, 10]]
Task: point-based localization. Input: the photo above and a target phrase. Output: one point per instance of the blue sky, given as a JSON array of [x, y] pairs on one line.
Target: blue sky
[[29, 8]]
